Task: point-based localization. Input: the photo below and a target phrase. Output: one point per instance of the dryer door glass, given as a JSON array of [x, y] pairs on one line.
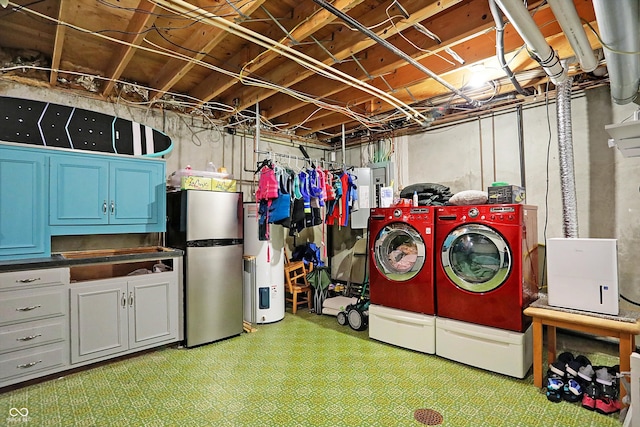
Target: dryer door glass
[[476, 258], [399, 251]]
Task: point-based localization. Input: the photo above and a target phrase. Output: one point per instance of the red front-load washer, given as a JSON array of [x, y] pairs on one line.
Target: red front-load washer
[[401, 258], [487, 264]]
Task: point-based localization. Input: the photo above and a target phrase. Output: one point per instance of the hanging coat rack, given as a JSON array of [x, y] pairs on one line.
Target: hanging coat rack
[[283, 157]]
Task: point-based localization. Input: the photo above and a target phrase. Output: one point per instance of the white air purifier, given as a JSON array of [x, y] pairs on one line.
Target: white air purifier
[[582, 274]]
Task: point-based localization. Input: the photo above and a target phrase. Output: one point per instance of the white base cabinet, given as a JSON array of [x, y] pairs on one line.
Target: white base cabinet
[[34, 324], [55, 319], [118, 315]]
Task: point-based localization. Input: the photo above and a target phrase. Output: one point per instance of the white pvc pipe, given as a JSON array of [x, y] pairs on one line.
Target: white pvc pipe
[[567, 16], [525, 25]]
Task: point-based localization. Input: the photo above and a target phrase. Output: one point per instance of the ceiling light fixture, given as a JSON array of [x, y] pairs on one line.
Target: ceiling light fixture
[[478, 76]]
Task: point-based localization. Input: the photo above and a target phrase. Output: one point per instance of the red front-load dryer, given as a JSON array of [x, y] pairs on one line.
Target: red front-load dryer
[[487, 264], [401, 258]]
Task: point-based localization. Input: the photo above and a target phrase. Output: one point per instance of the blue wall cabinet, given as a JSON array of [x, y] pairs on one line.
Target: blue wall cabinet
[[79, 191], [93, 194], [23, 204]]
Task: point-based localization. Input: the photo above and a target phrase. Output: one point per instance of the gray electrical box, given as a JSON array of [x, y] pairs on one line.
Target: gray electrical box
[[381, 176], [366, 198]]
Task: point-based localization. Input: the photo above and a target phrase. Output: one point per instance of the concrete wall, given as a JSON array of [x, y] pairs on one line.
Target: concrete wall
[[472, 155], [465, 156]]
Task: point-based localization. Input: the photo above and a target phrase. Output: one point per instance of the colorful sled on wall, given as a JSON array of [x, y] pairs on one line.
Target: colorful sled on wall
[[42, 123]]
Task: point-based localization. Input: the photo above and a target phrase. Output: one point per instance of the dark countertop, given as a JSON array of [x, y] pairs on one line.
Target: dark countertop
[[70, 259]]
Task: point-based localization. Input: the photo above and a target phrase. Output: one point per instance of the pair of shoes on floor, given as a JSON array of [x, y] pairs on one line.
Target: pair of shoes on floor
[[602, 393], [567, 377]]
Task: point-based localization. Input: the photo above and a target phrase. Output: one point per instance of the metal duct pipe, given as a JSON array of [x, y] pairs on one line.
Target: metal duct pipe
[[567, 16], [382, 42], [528, 30], [523, 173], [565, 156], [497, 17], [618, 23]]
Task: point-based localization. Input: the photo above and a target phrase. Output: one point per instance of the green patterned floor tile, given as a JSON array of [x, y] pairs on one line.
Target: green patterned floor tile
[[305, 370]]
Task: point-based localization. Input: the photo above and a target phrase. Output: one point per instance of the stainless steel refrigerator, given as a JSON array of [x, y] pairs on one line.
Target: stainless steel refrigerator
[[208, 226]]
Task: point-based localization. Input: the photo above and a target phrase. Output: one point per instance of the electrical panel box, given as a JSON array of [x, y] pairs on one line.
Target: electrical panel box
[[381, 176], [366, 199]]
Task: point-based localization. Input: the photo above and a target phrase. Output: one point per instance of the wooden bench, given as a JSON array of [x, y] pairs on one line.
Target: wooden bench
[[591, 324]]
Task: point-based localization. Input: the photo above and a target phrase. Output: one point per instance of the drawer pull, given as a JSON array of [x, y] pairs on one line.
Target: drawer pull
[[31, 307], [29, 338], [27, 280], [28, 365]]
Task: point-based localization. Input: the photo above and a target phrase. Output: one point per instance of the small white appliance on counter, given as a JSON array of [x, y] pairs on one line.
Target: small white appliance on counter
[[582, 274]]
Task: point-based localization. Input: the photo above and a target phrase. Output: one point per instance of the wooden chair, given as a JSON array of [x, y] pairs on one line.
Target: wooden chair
[[297, 288]]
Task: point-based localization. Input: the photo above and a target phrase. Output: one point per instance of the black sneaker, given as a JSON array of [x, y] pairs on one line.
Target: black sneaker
[[590, 395], [555, 386], [607, 379], [586, 374], [572, 391], [574, 384], [559, 367]]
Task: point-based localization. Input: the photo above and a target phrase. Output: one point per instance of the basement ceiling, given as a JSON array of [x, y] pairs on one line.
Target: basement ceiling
[[308, 71]]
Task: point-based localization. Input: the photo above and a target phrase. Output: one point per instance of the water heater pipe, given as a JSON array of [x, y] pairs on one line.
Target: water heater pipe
[[567, 16], [519, 16]]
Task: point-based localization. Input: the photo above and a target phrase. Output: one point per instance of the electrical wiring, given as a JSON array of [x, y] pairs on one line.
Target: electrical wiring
[[399, 32], [163, 51], [319, 67], [202, 15], [605, 45], [306, 98], [214, 9], [172, 54], [18, 7], [546, 191]]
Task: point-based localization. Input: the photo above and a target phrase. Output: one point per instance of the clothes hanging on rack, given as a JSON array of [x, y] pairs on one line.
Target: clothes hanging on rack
[[307, 198], [339, 212], [266, 193]]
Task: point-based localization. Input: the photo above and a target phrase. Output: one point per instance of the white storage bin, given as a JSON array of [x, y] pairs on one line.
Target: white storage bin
[[496, 350], [406, 329]]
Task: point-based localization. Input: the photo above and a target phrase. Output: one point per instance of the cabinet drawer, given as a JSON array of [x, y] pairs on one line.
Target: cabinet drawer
[[30, 334], [27, 362], [33, 278], [18, 306]]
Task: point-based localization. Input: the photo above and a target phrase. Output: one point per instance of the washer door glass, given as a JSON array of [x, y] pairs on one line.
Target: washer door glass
[[476, 258], [399, 251]]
